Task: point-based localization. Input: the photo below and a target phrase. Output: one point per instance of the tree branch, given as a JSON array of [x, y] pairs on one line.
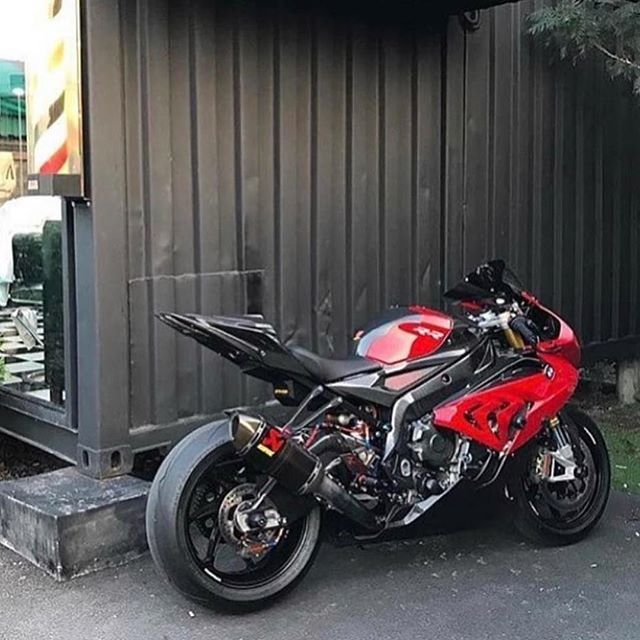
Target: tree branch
[[626, 61]]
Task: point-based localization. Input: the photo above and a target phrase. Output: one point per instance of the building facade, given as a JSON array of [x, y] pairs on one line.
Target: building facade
[[317, 163]]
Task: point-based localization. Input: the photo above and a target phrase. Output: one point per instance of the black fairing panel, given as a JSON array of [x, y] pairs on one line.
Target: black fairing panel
[[365, 388], [248, 342], [398, 379], [452, 379], [437, 377], [502, 369]]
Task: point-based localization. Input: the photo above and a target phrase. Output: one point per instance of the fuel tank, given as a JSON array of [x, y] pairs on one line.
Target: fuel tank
[[403, 334]]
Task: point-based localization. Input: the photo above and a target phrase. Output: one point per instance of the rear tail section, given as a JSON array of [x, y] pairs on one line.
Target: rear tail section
[[248, 341]]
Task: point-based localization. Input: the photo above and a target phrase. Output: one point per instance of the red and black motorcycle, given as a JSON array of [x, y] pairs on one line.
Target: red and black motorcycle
[[428, 403]]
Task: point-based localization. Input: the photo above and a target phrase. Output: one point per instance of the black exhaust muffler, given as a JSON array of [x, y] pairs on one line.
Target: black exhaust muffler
[[269, 450]]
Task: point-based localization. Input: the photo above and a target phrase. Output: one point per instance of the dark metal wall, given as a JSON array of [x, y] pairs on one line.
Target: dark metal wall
[[336, 164], [541, 169]]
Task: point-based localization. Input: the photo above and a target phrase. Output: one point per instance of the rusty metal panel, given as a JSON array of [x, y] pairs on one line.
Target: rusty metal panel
[[354, 163]]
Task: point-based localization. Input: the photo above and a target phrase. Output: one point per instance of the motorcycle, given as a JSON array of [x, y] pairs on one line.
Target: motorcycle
[[428, 403]]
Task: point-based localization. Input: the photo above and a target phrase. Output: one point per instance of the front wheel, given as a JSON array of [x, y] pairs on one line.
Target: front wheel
[[560, 485], [193, 535]]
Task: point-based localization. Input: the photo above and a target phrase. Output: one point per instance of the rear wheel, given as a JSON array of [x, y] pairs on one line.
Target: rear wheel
[[192, 527], [560, 491]]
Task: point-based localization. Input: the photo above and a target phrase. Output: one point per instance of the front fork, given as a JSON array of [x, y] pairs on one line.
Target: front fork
[[563, 463]]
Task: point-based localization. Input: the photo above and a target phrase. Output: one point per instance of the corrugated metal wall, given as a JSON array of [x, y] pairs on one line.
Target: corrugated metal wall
[[542, 169], [352, 163]]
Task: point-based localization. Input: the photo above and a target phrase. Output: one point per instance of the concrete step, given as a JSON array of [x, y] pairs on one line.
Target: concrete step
[[69, 525]]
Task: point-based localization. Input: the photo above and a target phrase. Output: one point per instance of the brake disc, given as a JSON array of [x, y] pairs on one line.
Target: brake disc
[[565, 491], [238, 495], [252, 544]]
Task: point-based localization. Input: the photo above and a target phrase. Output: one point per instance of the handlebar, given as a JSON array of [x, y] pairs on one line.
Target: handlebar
[[526, 329]]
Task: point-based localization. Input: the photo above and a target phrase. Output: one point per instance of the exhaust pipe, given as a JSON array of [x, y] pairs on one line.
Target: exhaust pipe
[[271, 451]]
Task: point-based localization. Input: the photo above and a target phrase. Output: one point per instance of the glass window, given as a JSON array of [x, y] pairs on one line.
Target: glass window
[[40, 133]]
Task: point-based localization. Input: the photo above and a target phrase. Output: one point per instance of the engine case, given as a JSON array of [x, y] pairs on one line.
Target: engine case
[[428, 445]]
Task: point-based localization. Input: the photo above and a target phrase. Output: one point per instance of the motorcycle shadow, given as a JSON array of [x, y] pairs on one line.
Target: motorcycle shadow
[[465, 529], [462, 511]]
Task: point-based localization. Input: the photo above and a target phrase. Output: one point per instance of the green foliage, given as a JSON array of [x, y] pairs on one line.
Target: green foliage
[[624, 451], [608, 28], [2, 369]]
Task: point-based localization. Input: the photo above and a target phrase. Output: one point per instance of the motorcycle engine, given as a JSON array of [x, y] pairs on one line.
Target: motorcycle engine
[[426, 463], [429, 445]]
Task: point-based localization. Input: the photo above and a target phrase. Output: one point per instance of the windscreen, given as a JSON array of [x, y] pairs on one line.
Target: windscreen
[[486, 282]]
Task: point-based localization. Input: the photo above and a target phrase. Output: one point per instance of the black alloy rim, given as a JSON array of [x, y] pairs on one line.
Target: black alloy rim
[[216, 557], [562, 505]]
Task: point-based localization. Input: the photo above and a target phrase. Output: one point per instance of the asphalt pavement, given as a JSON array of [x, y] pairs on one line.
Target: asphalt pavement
[[473, 584]]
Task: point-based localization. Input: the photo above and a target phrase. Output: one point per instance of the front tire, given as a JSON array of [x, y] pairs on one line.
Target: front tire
[[183, 521], [563, 515]]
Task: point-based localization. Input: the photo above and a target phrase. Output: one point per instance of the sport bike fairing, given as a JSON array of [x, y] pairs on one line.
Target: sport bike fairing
[[487, 416], [486, 409], [426, 362]]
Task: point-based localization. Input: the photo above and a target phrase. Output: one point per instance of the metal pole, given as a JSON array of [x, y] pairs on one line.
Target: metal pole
[[20, 148], [19, 93]]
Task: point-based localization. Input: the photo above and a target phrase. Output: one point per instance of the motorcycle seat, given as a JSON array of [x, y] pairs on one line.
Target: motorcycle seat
[[330, 369]]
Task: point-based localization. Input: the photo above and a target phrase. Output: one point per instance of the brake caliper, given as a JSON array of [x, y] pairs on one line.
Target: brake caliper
[[559, 464], [556, 466]]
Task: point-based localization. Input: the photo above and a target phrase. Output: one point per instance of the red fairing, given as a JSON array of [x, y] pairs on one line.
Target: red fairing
[[486, 416], [565, 345], [417, 334]]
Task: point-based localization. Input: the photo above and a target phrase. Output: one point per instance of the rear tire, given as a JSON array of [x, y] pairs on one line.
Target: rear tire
[[169, 508], [537, 516]]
